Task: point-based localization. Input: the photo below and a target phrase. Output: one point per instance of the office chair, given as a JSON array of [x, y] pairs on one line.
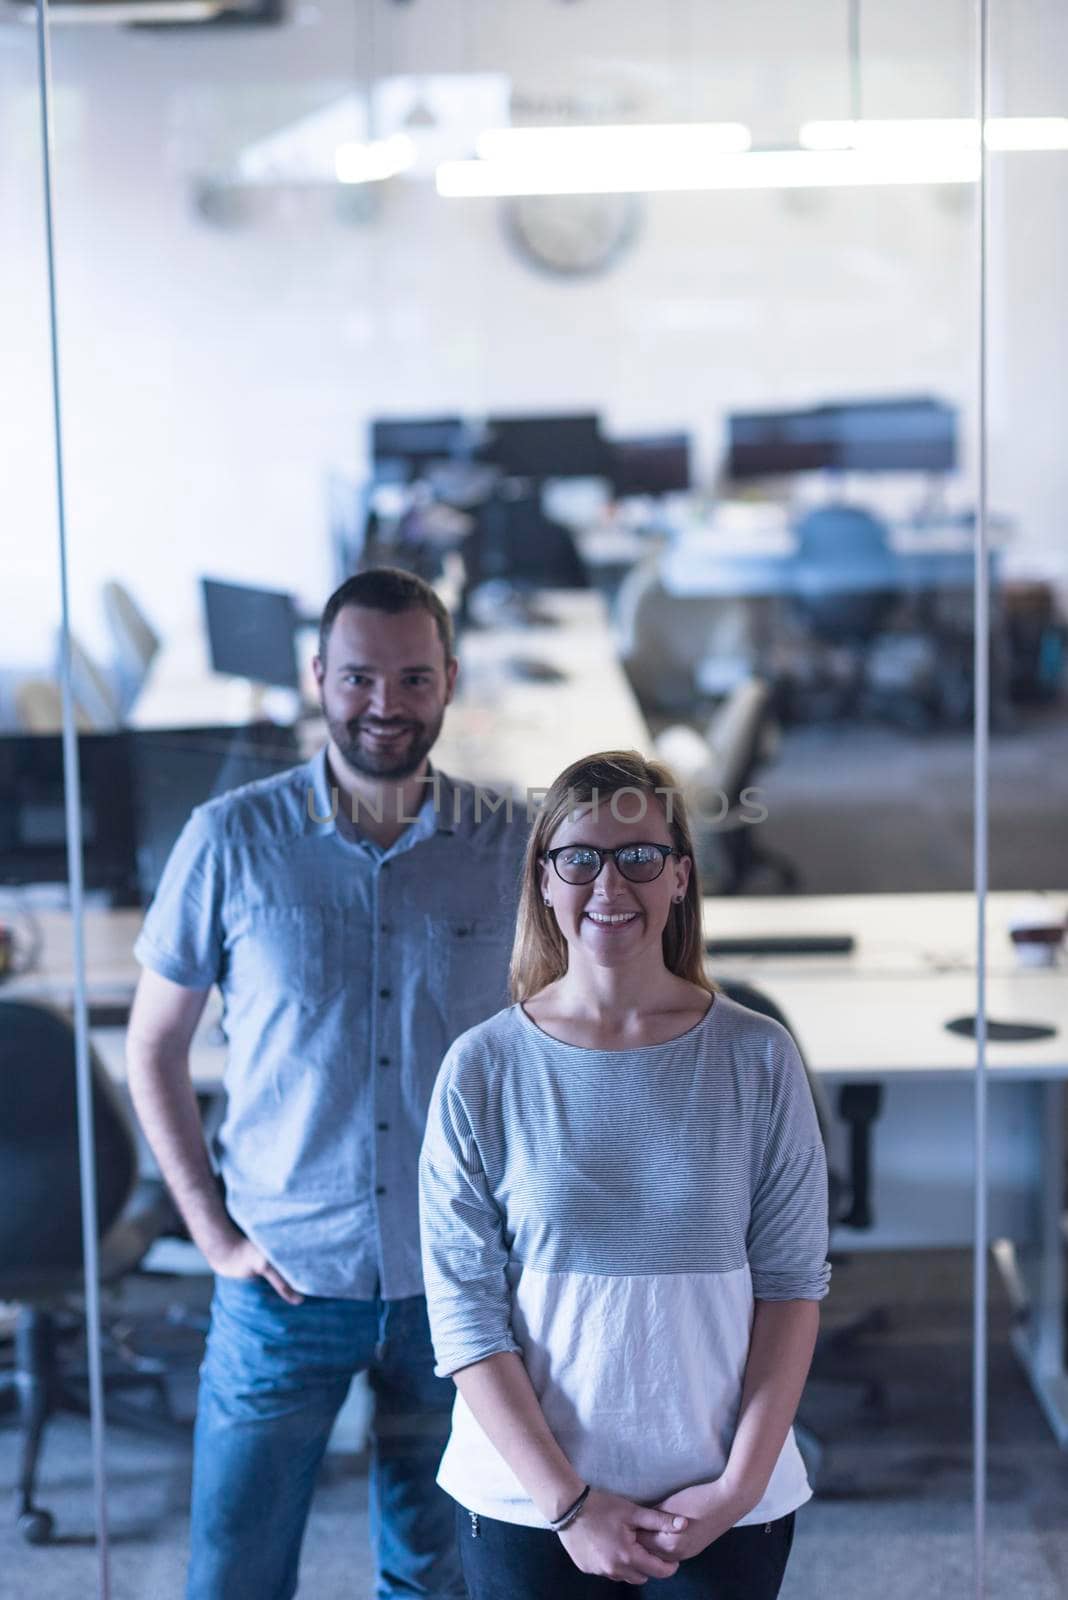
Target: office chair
[[40, 1224], [95, 696], [672, 646], [848, 1202], [716, 770], [514, 540], [831, 541], [39, 708], [135, 641]]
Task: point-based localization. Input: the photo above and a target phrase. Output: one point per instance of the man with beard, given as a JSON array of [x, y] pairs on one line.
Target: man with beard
[[356, 913]]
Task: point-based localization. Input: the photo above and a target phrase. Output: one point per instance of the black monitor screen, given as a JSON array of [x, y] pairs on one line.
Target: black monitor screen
[[895, 436], [547, 446], [33, 840], [251, 632], [652, 464], [175, 769], [404, 447], [137, 790], [907, 435], [769, 444]]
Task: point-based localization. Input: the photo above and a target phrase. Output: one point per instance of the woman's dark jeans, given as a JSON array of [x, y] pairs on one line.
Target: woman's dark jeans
[[504, 1561]]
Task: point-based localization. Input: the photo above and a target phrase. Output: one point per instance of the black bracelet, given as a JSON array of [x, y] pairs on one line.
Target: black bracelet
[[571, 1513]]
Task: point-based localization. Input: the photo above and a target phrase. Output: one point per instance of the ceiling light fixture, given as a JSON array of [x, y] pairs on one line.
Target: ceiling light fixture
[[752, 169], [612, 143]]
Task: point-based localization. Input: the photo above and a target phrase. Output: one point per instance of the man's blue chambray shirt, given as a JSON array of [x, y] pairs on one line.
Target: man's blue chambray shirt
[[346, 972]]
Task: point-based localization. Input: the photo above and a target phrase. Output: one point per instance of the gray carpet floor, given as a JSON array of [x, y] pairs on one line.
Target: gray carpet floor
[[891, 1520], [864, 809]]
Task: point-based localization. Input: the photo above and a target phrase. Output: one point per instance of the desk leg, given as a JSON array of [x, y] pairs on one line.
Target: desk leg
[[1036, 1281]]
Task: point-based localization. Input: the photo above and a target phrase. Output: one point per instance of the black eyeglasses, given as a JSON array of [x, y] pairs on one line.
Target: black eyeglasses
[[581, 863]]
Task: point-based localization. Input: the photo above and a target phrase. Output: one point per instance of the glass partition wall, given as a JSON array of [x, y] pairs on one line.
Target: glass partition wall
[[650, 338], [42, 1284]]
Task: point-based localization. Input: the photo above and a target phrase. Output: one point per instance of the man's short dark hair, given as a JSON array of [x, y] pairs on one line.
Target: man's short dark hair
[[386, 589]]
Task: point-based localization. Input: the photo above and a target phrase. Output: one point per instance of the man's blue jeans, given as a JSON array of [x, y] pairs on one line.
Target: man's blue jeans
[[273, 1379]]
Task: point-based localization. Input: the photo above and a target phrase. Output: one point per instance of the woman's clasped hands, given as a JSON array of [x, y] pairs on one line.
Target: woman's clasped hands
[[608, 1539], [709, 1510]]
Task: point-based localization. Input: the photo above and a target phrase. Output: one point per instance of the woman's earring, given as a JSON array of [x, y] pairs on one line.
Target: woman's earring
[[548, 902]]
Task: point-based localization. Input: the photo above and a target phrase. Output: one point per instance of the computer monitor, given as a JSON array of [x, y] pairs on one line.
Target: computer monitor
[[548, 446], [403, 448], [651, 464], [33, 837], [908, 434], [174, 769], [251, 632], [772, 444]]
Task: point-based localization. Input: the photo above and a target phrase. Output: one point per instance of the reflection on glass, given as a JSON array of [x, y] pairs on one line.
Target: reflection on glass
[[693, 471], [1029, 630], [45, 1459]]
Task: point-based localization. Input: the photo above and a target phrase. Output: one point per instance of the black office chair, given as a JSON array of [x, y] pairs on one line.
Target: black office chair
[[515, 541], [848, 1201], [40, 1223]]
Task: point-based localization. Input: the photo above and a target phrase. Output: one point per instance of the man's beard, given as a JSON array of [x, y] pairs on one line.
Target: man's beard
[[372, 763]]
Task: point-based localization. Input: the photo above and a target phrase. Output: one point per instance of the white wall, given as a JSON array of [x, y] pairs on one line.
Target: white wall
[[210, 376]]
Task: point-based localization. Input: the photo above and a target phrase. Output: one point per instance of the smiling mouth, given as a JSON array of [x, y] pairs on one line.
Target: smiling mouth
[[612, 919]]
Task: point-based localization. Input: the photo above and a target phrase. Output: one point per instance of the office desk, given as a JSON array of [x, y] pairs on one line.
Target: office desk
[[704, 560], [877, 1013], [880, 1013], [500, 729], [506, 731], [111, 978]]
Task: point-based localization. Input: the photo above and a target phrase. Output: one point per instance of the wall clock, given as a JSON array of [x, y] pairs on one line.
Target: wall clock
[[572, 235]]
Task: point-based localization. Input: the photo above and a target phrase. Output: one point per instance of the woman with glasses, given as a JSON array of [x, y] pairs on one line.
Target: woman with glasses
[[624, 1212]]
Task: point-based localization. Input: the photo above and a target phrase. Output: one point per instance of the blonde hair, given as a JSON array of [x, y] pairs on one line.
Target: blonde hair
[[539, 954]]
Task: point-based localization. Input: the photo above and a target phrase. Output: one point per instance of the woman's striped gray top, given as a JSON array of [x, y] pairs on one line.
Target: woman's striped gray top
[[612, 1215]]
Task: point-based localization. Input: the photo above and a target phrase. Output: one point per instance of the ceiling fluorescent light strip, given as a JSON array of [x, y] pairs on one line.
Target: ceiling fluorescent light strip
[[941, 133], [755, 169], [629, 141]]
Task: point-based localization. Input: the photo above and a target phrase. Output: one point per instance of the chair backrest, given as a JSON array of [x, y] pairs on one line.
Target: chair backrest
[[841, 533], [747, 994], [93, 694], [39, 707], [713, 772], [664, 639], [734, 735], [40, 1201], [135, 640], [836, 537]]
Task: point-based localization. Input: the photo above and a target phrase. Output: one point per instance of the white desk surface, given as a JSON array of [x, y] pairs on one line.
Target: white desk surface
[[500, 730], [507, 731], [878, 1012], [881, 1011]]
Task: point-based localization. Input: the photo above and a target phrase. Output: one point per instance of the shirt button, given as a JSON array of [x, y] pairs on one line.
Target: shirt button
[[381, 1189], [383, 1127], [384, 994], [383, 1061], [385, 928]]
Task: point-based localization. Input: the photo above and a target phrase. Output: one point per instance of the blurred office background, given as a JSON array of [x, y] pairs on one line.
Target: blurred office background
[[692, 455]]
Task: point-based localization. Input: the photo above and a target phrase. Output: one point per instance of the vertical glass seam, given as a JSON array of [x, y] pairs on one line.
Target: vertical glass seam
[[72, 791], [981, 701]]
